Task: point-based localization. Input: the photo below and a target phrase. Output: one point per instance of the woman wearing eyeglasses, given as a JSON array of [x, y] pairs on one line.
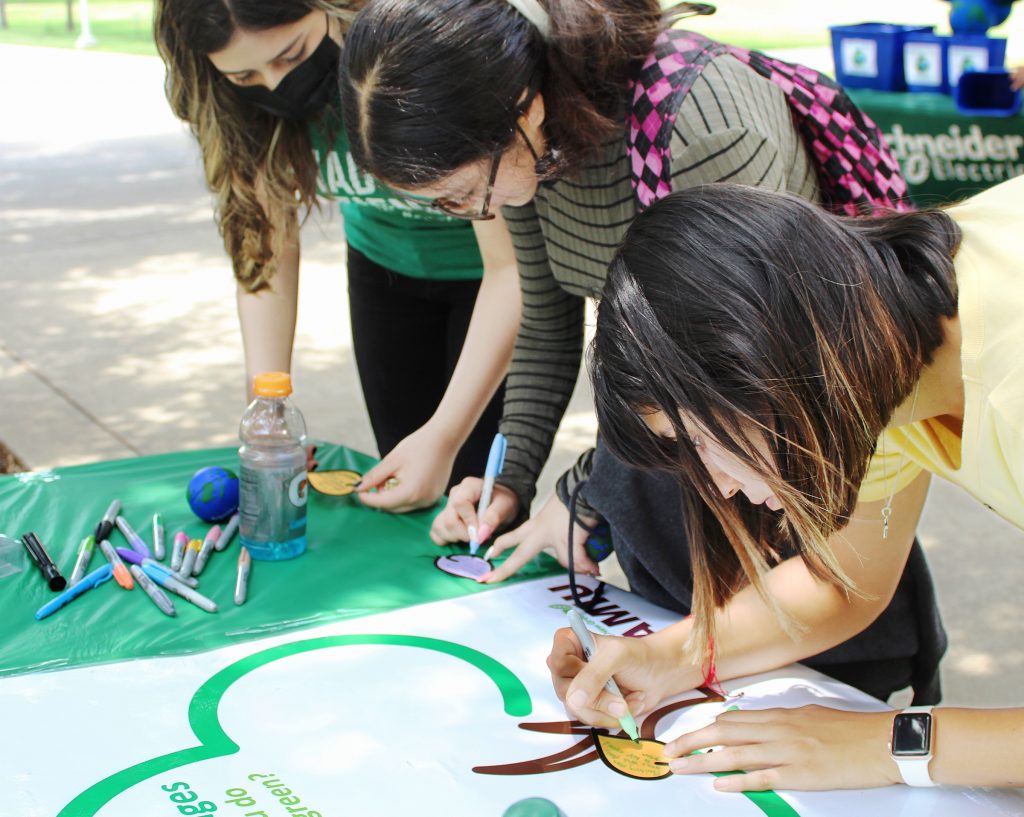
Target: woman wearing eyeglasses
[[805, 375], [257, 82], [554, 112], [476, 105]]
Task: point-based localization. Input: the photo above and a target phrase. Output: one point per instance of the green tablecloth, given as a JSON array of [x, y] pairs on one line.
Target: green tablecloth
[[359, 562], [945, 155]]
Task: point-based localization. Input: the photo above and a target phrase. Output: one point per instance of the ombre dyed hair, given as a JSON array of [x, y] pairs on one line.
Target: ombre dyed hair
[[763, 318], [260, 168]]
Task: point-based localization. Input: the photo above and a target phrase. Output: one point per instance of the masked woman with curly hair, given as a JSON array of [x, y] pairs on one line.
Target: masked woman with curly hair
[[802, 376], [256, 80]]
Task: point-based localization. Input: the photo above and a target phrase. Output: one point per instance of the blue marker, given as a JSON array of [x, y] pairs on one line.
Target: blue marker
[[495, 462], [98, 576]]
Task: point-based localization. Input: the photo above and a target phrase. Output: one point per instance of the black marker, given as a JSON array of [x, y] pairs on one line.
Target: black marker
[[106, 525], [37, 553]]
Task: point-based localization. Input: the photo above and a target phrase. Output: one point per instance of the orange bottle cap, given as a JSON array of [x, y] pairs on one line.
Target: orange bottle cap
[[273, 384]]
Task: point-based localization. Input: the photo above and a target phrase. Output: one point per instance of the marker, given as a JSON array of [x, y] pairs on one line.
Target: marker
[[242, 582], [121, 574], [229, 531], [589, 647], [85, 549], [133, 538], [98, 576], [106, 525], [212, 535], [179, 589], [159, 551], [37, 553], [495, 462], [178, 550], [158, 596], [188, 561], [191, 581], [130, 556]]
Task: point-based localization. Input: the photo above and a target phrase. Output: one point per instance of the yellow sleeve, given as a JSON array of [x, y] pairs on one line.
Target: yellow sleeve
[[889, 472]]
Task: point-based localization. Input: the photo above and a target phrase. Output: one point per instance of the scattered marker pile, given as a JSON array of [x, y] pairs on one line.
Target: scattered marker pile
[[145, 566]]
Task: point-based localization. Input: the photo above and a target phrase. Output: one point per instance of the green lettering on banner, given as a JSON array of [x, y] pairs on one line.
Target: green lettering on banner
[[214, 742]]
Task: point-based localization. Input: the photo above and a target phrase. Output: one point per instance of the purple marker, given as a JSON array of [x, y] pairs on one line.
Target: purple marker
[[129, 555], [133, 538]]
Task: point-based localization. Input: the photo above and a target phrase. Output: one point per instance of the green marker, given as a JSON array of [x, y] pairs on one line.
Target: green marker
[[82, 562], [589, 647]]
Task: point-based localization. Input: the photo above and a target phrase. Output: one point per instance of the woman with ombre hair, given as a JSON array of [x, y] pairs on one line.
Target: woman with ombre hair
[[801, 376]]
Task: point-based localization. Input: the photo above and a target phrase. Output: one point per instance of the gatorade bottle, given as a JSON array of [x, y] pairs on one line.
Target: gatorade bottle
[[272, 497]]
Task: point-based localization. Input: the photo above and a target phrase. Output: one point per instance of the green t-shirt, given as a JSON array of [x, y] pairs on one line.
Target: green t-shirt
[[390, 231]]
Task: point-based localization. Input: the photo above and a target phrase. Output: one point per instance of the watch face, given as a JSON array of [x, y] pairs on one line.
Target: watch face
[[912, 734]]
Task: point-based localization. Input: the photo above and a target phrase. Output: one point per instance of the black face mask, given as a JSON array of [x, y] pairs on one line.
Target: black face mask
[[305, 91]]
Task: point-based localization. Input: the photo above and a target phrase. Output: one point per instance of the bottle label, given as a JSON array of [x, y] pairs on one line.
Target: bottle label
[[272, 503]]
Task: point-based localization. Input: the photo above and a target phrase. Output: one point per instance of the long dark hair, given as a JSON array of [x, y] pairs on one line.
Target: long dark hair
[[260, 168], [431, 85], [764, 318]]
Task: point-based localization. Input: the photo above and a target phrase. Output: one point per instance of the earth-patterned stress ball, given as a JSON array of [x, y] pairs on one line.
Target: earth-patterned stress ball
[[213, 493]]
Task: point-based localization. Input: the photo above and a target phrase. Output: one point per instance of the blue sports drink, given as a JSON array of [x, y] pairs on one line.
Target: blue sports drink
[[272, 472]]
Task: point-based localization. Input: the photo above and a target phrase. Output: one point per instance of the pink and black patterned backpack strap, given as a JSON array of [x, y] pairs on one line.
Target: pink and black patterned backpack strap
[[857, 172], [665, 78]]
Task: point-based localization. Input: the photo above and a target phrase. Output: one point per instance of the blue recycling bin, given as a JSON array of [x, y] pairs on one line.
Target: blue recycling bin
[[870, 55], [986, 93]]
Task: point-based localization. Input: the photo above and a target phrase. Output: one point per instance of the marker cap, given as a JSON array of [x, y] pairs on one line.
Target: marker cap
[[37, 553]]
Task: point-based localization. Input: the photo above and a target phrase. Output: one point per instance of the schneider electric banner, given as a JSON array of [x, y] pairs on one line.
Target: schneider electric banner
[[945, 155]]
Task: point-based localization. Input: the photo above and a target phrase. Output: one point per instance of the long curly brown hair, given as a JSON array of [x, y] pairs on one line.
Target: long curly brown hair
[[261, 168]]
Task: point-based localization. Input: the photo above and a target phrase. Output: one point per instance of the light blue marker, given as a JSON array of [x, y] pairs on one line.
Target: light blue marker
[[495, 462], [98, 576], [191, 581]]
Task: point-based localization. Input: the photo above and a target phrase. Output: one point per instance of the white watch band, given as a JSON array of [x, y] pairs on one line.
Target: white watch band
[[914, 770]]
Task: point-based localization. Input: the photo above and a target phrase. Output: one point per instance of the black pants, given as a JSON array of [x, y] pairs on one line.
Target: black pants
[[644, 510], [407, 334]]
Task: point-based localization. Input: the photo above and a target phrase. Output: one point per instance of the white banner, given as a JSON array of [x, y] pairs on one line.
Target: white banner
[[431, 710]]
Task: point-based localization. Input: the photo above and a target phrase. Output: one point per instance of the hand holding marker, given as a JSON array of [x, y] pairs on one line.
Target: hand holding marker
[[589, 648], [495, 462]]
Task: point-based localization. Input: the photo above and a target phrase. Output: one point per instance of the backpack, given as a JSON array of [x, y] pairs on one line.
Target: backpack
[[857, 172]]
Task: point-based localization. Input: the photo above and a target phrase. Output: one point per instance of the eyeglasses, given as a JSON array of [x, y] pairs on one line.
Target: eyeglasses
[[454, 209]]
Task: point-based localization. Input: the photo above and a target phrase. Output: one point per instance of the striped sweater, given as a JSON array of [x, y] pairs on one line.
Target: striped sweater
[[733, 126]]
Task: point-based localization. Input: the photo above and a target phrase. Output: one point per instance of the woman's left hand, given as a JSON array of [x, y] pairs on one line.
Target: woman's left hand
[[810, 748], [547, 531]]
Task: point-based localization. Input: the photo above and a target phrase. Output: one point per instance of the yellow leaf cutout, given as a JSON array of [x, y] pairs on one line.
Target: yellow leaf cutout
[[643, 760], [335, 483]]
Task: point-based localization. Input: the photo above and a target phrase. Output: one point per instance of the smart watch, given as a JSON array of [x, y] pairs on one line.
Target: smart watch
[[913, 737]]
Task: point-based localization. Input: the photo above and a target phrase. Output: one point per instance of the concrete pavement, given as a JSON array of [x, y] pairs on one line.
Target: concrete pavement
[[118, 334]]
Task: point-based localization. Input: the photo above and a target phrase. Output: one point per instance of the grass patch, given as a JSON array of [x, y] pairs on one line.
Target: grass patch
[[124, 26]]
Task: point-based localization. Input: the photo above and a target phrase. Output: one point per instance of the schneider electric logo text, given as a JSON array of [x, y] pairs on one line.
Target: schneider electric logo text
[[957, 156]]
